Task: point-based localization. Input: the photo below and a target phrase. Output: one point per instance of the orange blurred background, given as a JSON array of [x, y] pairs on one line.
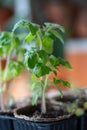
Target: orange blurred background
[[73, 16]]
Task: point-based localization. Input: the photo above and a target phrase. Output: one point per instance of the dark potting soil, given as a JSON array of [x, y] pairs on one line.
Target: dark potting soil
[[66, 99], [81, 102], [7, 112], [52, 112], [18, 104], [82, 99], [33, 113]]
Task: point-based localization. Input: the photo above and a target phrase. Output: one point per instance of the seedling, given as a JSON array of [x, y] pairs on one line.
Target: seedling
[[39, 59], [79, 106], [9, 45]]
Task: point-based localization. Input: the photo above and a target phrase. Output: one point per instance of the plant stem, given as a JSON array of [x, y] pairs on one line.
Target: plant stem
[[43, 95], [6, 71], [1, 89], [48, 29], [10, 90], [7, 63], [43, 105], [6, 67], [2, 101], [40, 39]]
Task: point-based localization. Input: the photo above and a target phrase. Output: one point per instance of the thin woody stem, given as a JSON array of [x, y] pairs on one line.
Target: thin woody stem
[[1, 87], [44, 95]]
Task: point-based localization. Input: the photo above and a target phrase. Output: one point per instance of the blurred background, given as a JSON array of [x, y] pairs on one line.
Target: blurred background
[[72, 14]]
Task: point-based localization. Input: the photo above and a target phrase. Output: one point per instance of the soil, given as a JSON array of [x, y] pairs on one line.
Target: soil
[[33, 113], [66, 99], [7, 113], [22, 102], [82, 98]]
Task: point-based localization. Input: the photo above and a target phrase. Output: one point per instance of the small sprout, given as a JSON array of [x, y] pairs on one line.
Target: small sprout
[[29, 38], [79, 90], [85, 105], [40, 61], [11, 101], [79, 112], [58, 35], [72, 107], [64, 83], [9, 45]]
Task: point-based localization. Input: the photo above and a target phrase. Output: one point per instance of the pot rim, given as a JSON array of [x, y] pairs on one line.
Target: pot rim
[[27, 118]]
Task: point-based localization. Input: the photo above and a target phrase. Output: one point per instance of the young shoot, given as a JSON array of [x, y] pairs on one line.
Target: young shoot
[[39, 59], [9, 45]]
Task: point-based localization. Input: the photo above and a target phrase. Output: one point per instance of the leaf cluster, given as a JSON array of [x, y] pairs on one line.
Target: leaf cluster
[[43, 36], [9, 46], [41, 65], [39, 59]]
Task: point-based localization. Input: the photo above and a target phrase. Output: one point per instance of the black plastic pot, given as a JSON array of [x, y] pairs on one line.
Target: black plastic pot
[[24, 121], [68, 97], [66, 124], [7, 116], [6, 122], [82, 122]]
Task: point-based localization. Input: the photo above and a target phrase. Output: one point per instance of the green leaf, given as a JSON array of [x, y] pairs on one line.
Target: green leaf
[[33, 86], [36, 86], [79, 112], [48, 44], [55, 26], [26, 24], [67, 64], [64, 63], [19, 68], [60, 91], [34, 78], [54, 61], [51, 25], [64, 83], [59, 61], [34, 99], [20, 24], [16, 42], [71, 107], [43, 56], [37, 93], [30, 59], [61, 28], [55, 72], [41, 70], [33, 28], [6, 42], [4, 35], [5, 38], [57, 35], [1, 52], [29, 38], [85, 105], [74, 106], [14, 70]]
